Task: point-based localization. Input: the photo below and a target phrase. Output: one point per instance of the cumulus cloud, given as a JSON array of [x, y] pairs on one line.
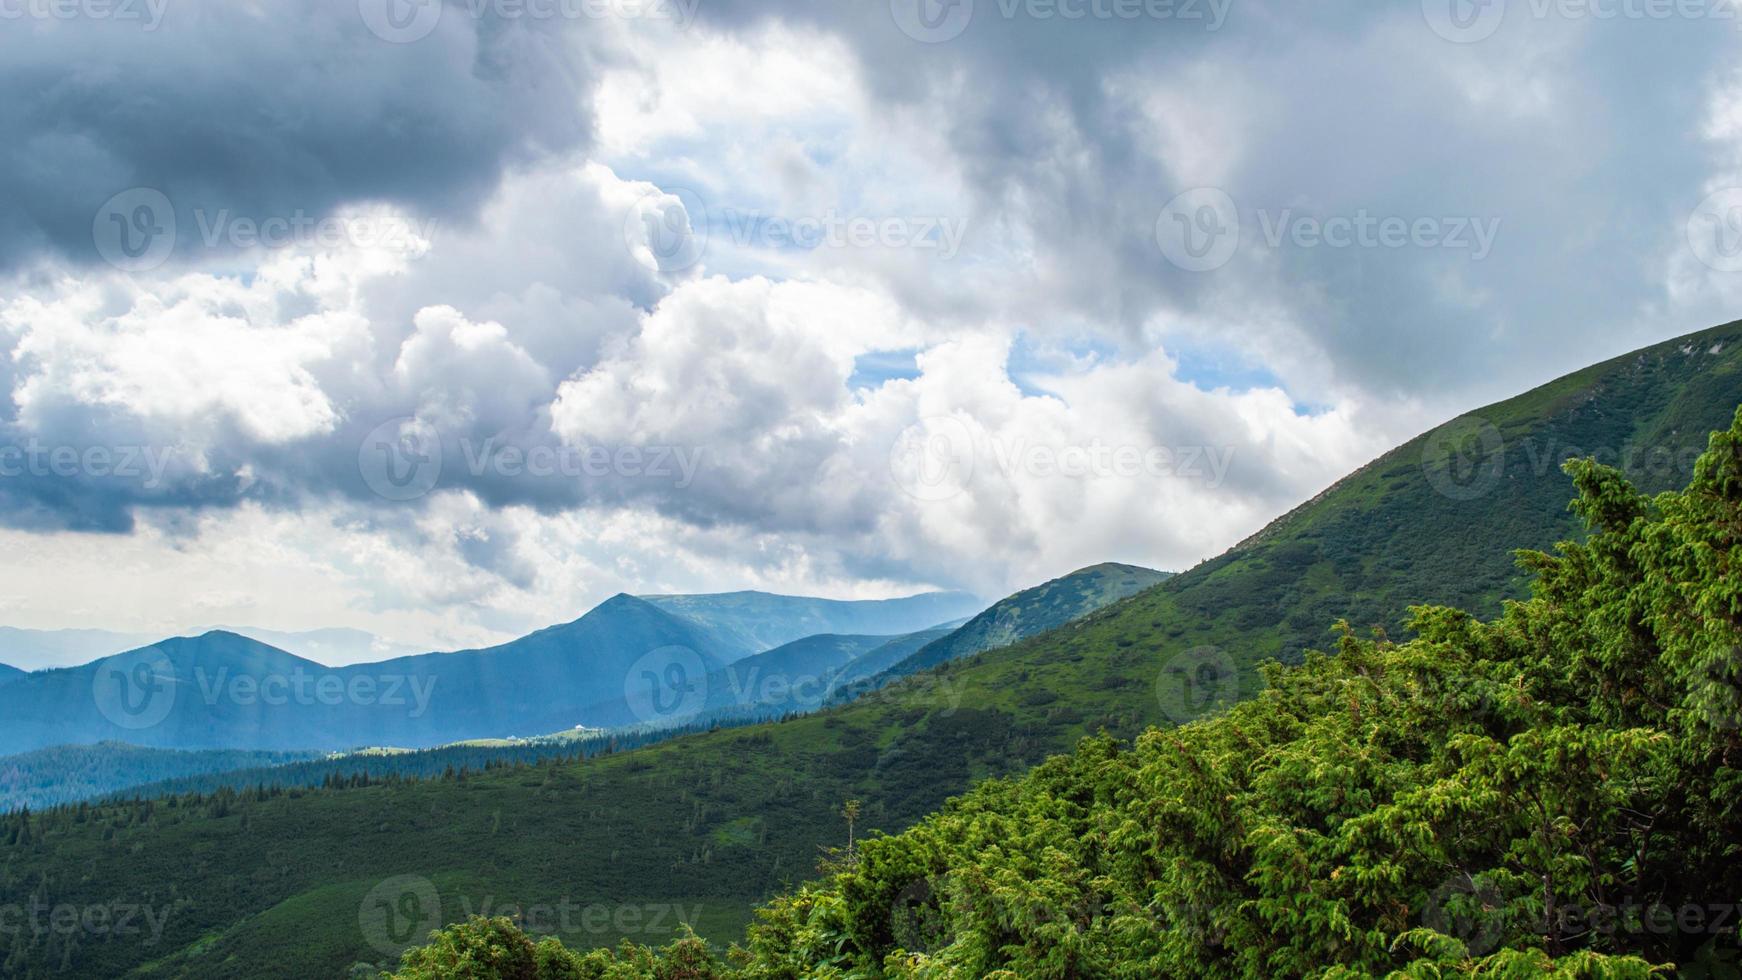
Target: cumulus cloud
[[462, 334], [261, 111]]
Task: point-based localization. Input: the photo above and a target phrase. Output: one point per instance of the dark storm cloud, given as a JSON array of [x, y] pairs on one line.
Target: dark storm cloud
[[1580, 135], [269, 111]]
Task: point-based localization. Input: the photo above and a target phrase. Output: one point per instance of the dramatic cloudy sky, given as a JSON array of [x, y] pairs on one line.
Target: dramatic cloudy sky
[[449, 321]]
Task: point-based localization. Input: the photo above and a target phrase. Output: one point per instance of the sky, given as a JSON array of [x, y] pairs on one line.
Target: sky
[[447, 321]]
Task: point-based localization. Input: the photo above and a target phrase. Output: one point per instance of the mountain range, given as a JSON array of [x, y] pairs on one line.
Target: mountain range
[[1030, 612], [628, 661], [793, 678], [720, 820], [761, 621], [30, 649]]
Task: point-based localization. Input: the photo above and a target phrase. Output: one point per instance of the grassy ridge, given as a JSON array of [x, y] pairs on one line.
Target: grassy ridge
[[721, 820], [1547, 794]]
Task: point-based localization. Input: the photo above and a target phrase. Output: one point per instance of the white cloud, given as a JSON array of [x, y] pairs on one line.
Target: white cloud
[[536, 307]]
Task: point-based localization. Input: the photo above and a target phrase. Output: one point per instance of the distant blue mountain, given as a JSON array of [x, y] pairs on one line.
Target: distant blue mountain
[[37, 649], [762, 621], [1025, 614], [9, 674], [221, 690], [40, 649], [799, 676], [629, 661]]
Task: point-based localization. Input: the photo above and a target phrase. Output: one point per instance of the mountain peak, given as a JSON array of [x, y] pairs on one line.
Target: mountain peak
[[1115, 568]]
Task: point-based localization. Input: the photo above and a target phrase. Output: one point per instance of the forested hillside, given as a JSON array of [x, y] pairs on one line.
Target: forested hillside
[[719, 821], [1030, 612], [1549, 793], [68, 773]]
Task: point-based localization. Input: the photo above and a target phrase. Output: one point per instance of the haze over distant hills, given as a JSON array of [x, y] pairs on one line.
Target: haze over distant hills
[[29, 649], [762, 621], [534, 675], [1028, 613], [221, 690], [628, 661]]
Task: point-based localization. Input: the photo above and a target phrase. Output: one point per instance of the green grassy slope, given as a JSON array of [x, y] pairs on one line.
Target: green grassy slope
[[1550, 794], [716, 821], [1034, 611]]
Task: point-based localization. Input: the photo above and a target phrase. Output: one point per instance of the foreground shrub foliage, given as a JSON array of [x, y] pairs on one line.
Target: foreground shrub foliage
[[1554, 793]]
